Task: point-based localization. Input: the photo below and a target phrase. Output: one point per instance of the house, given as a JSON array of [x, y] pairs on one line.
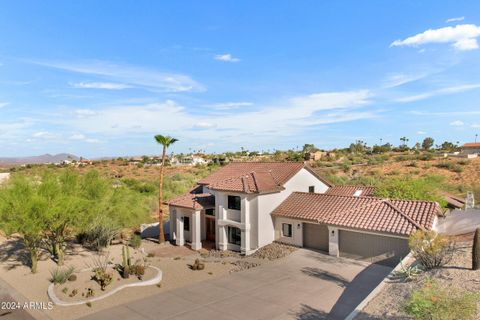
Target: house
[[193, 160], [315, 155], [471, 148], [247, 205]]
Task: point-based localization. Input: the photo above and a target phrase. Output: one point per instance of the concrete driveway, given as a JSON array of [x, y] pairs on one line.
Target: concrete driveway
[[305, 285]]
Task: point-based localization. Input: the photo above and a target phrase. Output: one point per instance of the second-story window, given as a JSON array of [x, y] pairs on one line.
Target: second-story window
[[234, 203], [210, 212]]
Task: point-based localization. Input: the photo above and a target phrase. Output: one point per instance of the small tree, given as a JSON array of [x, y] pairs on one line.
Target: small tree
[[427, 143], [430, 249], [476, 250], [21, 211]]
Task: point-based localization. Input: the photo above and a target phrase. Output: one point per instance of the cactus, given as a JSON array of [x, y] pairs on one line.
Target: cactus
[[476, 250], [126, 262]]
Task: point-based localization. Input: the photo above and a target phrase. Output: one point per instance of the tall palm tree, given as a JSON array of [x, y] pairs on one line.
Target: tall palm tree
[[165, 141]]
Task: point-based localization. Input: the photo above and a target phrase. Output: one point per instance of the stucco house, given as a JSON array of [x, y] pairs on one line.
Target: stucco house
[[247, 205]]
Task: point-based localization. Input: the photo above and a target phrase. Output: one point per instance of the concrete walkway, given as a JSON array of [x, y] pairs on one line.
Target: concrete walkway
[[459, 222], [305, 285]]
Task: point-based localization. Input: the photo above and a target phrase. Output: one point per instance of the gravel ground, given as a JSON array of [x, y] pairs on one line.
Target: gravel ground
[[388, 304]]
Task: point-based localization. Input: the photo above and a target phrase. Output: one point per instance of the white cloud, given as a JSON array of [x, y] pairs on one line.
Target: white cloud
[[285, 118], [101, 85], [205, 125], [3, 104], [457, 123], [230, 105], [77, 137], [455, 19], [398, 79], [82, 137], [443, 91], [129, 75], [83, 113], [475, 125], [227, 57], [462, 36], [331, 100], [45, 135], [421, 132]]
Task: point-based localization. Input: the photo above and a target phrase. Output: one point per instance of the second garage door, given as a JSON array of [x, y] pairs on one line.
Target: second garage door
[[315, 236], [374, 248]]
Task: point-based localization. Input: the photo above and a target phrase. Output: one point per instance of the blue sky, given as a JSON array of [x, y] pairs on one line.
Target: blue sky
[[101, 78]]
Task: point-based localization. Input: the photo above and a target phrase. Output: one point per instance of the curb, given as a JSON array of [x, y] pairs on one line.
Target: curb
[[59, 302], [377, 289]]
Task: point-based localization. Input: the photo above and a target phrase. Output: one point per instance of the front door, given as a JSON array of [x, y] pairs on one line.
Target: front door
[[210, 224]]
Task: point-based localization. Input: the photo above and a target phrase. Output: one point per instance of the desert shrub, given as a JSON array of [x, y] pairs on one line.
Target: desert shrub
[[98, 237], [462, 162], [135, 241], [425, 157], [433, 303], [102, 277], [407, 273], [346, 165], [450, 166], [430, 249], [411, 188], [412, 164], [60, 276]]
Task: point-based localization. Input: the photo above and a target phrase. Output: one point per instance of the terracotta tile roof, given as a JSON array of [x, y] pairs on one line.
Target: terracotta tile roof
[[366, 191], [472, 145], [193, 200], [254, 177], [401, 217]]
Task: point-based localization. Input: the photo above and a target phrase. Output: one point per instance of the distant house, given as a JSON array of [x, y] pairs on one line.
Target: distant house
[[471, 148], [192, 160], [315, 155]]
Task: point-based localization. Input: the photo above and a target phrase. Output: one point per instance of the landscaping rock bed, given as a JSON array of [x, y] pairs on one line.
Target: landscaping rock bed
[[84, 289], [274, 251], [457, 274]]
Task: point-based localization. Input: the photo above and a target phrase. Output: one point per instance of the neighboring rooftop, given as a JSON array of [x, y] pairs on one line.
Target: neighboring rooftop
[[357, 191], [194, 199], [400, 217], [472, 145], [254, 177]]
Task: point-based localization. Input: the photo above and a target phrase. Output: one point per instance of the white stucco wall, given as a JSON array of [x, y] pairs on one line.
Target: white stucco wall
[[297, 231], [268, 202]]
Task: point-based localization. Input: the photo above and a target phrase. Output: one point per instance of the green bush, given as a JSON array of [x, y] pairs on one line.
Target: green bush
[[412, 188], [60, 276], [98, 237], [432, 303], [432, 250], [135, 241]]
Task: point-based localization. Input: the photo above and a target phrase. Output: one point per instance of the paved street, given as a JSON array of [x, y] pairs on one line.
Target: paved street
[[306, 285]]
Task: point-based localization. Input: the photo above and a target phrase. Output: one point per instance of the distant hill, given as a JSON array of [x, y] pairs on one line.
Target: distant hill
[[44, 158]]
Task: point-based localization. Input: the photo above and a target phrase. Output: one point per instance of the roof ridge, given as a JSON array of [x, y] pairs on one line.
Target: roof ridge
[[335, 195], [255, 181], [244, 184], [416, 224]]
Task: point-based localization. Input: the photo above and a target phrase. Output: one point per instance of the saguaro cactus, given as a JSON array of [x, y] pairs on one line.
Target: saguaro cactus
[[476, 250]]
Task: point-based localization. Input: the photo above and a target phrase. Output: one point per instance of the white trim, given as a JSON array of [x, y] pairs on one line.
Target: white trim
[[371, 232]]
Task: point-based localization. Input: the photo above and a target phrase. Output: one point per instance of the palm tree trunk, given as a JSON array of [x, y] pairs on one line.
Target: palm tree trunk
[[161, 234]]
